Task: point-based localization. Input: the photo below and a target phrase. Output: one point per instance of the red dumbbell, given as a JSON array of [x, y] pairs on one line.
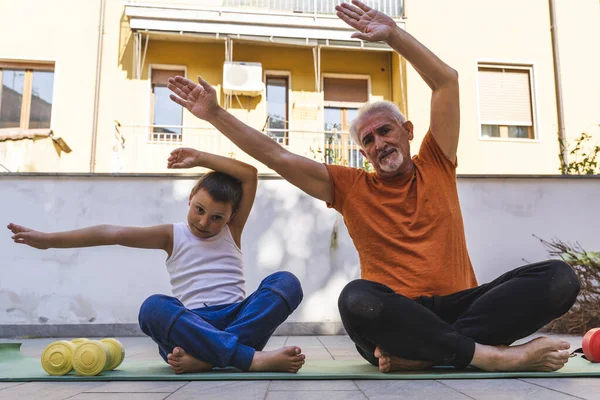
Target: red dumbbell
[[591, 345]]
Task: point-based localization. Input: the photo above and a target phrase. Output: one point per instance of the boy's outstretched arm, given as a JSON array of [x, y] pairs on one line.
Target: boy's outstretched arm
[[201, 100], [246, 174], [153, 237]]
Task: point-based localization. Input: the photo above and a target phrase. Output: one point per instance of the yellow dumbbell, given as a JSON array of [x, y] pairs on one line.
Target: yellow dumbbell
[[91, 358], [57, 358], [117, 352], [79, 340]]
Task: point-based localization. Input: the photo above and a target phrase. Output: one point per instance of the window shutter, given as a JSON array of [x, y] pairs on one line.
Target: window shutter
[[161, 76], [346, 90], [505, 96]]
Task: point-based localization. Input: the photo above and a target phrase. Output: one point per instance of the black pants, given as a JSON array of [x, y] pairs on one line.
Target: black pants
[[444, 329]]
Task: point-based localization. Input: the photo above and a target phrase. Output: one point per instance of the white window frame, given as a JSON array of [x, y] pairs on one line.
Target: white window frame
[[526, 66], [167, 67], [288, 75]]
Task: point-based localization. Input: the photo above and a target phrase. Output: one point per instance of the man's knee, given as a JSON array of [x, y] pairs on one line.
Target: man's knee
[[358, 299], [564, 285], [157, 313], [286, 285]]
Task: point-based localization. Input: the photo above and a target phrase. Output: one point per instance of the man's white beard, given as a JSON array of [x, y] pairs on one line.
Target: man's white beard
[[392, 163]]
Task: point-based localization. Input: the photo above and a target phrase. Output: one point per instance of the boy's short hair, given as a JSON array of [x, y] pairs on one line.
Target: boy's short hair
[[220, 187]]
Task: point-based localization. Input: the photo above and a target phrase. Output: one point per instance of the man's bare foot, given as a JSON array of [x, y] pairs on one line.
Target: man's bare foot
[[540, 354], [285, 359], [183, 363], [389, 363]]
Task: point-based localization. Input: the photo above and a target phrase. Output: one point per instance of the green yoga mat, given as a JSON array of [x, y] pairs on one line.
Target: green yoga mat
[[16, 367]]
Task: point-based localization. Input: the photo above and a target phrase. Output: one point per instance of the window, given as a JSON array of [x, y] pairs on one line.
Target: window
[[277, 87], [506, 102], [26, 95], [343, 97], [167, 116]]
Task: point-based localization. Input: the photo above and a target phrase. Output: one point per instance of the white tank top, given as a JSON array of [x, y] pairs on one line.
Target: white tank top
[[205, 272]]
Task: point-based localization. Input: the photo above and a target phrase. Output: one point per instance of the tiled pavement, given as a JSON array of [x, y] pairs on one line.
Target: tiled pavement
[[315, 348]]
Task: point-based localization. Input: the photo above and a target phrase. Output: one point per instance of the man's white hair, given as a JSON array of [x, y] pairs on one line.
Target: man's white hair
[[370, 108]]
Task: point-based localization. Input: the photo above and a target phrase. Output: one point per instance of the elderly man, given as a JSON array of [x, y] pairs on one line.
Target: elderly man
[[418, 303]]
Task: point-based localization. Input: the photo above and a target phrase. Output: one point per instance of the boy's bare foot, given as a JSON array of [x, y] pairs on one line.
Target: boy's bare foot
[[540, 354], [183, 363], [285, 359], [389, 363]]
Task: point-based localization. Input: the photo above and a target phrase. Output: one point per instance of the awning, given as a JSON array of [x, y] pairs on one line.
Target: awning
[[248, 25]]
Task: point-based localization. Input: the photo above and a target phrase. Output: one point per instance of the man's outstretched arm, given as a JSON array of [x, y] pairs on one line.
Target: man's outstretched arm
[[374, 26], [201, 100]]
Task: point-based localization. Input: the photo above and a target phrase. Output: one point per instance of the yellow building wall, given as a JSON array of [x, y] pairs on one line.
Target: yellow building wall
[[514, 32], [66, 33], [128, 100]]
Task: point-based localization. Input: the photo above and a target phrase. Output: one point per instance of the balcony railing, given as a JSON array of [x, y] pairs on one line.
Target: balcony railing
[[145, 149], [393, 8]]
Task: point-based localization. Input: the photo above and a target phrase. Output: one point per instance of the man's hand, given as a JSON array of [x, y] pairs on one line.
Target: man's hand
[[199, 99], [373, 26], [184, 157], [27, 236]]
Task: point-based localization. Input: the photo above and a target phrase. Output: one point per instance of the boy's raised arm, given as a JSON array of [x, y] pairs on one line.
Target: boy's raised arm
[[153, 237], [246, 174]]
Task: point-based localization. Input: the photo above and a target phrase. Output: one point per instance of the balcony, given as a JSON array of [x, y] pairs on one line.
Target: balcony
[[145, 148], [393, 8]]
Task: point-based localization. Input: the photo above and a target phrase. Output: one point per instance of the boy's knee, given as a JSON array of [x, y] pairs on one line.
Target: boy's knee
[[156, 313], [286, 285]]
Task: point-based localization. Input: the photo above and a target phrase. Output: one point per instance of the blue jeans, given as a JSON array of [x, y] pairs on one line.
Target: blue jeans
[[222, 335]]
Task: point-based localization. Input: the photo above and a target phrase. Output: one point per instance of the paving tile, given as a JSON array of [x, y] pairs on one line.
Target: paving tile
[[222, 390], [311, 395], [356, 357], [490, 389], [318, 385], [138, 387], [6, 385], [336, 341], [587, 388], [46, 390], [120, 396], [303, 341], [383, 390]]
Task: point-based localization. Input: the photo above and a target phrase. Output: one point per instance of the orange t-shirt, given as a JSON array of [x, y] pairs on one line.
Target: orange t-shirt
[[408, 231]]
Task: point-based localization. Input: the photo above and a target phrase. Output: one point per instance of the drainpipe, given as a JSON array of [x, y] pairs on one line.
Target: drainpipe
[[564, 153], [97, 88]]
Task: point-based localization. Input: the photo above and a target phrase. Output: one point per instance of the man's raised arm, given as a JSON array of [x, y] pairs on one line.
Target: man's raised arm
[[374, 26], [201, 100]]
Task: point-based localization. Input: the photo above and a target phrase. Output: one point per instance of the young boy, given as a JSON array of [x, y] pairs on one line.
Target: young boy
[[209, 323]]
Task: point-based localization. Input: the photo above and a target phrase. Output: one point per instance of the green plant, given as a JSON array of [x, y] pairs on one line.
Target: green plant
[[584, 154]]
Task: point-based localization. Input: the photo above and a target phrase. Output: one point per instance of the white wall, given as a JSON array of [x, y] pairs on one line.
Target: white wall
[[287, 230]]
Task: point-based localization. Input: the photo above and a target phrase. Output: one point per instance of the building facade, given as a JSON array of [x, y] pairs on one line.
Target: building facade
[[84, 83]]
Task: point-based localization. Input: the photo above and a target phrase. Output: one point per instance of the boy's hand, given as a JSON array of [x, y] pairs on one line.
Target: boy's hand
[[23, 235], [184, 157]]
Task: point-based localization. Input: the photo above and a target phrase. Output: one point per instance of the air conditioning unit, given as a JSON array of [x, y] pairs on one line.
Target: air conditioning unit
[[243, 78]]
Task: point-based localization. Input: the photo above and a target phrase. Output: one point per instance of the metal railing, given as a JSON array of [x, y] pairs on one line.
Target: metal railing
[[393, 8], [145, 149]]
